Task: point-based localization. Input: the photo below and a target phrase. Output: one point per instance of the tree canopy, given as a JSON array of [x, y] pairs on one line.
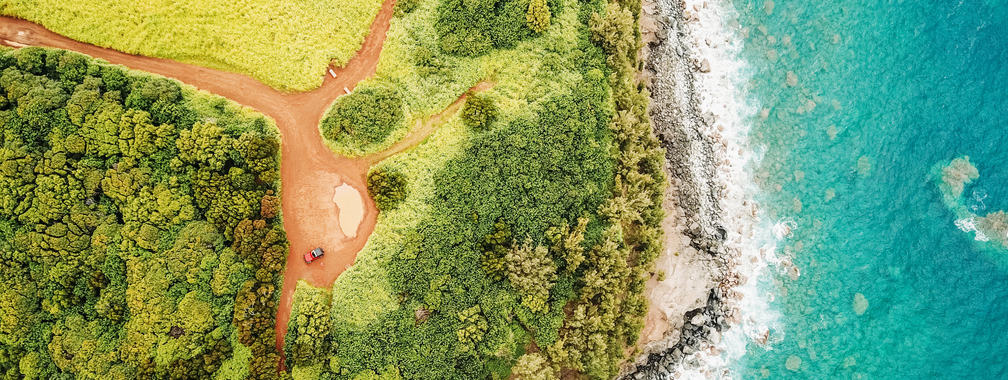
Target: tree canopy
[[133, 240], [363, 118]]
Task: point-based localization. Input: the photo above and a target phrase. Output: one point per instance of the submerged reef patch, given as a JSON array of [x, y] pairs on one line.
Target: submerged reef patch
[[991, 230]]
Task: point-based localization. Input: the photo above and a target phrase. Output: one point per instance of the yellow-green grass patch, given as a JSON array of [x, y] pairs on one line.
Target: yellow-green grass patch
[[286, 44]]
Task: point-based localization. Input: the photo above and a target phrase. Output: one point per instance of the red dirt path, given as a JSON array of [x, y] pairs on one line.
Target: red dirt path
[[309, 170]]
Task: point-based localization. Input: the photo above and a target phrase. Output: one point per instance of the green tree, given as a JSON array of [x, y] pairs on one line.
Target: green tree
[[533, 366], [204, 144], [404, 7], [479, 112], [473, 327], [308, 332], [474, 27], [139, 138], [496, 246], [614, 31], [566, 244], [386, 187], [17, 180], [365, 117], [538, 16], [532, 273], [100, 129]]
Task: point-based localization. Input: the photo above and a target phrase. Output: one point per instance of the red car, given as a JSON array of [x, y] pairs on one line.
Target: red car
[[314, 254]]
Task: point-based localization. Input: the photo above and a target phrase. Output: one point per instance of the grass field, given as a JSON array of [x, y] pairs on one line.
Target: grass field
[[286, 44]]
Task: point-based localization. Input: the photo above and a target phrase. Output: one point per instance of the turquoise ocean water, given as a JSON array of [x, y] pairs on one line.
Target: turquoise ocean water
[[883, 91]]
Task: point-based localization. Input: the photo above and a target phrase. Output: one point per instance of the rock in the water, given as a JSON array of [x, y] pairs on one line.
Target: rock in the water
[[793, 272], [849, 361], [793, 363], [864, 166], [792, 79], [699, 319], [768, 7], [860, 303], [705, 66]]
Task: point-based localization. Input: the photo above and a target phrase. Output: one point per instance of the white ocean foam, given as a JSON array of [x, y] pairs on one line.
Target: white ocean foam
[[752, 238], [784, 228], [977, 203], [969, 225]]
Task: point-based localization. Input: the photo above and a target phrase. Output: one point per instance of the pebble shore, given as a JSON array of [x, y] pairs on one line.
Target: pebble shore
[[714, 216]]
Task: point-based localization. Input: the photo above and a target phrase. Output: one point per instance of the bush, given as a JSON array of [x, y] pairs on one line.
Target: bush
[[364, 117], [479, 112], [386, 187]]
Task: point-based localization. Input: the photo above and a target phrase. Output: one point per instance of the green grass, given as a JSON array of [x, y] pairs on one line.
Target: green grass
[[286, 44]]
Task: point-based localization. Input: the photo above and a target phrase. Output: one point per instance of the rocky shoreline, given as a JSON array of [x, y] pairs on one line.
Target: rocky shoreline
[[682, 127]]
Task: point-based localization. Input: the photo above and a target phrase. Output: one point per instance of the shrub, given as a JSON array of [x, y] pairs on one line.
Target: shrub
[[495, 248], [386, 187], [479, 112], [364, 117]]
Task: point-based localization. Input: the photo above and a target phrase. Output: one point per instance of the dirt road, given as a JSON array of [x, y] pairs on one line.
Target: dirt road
[[309, 170]]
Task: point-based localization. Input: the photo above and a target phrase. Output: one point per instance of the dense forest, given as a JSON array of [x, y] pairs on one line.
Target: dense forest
[[140, 232]]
